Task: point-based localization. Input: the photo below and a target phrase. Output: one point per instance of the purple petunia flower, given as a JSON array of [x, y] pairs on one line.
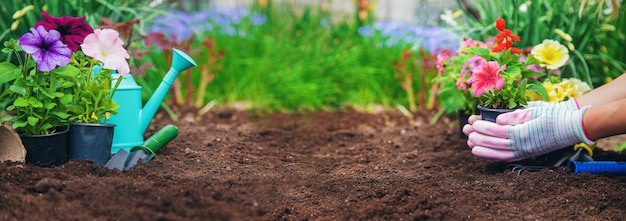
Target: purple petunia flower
[[46, 48]]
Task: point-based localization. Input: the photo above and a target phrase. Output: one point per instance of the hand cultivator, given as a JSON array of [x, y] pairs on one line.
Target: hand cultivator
[[578, 159]]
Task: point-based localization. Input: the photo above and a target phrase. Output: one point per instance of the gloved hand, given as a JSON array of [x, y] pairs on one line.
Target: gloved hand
[[527, 133], [571, 104]]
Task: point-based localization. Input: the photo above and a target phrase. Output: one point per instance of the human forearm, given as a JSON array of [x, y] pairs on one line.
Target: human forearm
[[612, 91], [605, 120]]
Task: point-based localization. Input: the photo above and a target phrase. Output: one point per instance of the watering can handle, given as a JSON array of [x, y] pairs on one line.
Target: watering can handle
[[158, 139]]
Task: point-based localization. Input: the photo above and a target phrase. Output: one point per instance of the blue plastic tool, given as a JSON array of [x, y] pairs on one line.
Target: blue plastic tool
[[612, 167]]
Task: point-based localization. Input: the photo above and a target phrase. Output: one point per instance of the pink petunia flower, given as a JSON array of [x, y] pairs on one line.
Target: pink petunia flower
[[485, 77], [106, 46], [471, 63]]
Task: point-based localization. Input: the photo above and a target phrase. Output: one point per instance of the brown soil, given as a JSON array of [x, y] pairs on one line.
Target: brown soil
[[230, 165]]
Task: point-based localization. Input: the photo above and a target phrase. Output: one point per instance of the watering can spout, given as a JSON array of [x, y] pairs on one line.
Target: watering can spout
[[180, 62]]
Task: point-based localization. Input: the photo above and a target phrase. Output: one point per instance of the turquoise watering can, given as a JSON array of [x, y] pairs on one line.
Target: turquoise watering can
[[132, 119]]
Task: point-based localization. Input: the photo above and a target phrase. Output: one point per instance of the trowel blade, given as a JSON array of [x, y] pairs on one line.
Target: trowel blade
[[123, 160]]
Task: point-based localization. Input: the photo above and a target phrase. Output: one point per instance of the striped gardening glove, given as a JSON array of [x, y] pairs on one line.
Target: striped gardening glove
[[528, 133], [570, 104]]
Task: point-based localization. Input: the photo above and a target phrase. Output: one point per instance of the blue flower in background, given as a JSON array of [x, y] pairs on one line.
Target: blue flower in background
[[366, 31], [178, 25], [258, 19], [432, 38]]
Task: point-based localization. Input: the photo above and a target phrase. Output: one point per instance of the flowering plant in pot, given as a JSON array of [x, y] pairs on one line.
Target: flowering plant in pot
[[453, 94], [41, 89], [72, 85], [503, 76], [102, 53]]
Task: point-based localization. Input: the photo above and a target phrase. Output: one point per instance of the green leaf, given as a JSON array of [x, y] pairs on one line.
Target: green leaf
[[527, 73], [19, 124], [66, 99], [60, 114], [32, 121], [50, 106], [9, 72], [20, 102], [514, 70], [46, 126], [7, 118], [34, 102], [512, 104], [18, 89], [67, 84], [46, 93], [539, 89], [67, 71], [58, 94]]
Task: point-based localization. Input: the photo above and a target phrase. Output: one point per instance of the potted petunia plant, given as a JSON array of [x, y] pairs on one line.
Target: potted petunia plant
[[453, 94], [80, 69], [41, 89], [502, 76]]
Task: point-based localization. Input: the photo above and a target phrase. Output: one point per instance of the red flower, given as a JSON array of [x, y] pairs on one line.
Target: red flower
[[505, 39], [73, 30], [500, 24]]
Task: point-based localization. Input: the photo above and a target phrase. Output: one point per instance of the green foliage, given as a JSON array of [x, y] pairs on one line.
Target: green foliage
[[93, 92], [296, 61], [452, 98], [39, 98]]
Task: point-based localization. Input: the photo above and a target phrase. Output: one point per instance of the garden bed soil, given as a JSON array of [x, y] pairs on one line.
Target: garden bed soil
[[233, 165]]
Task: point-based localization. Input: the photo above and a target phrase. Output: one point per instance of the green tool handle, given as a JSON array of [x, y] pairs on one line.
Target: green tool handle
[[158, 139]]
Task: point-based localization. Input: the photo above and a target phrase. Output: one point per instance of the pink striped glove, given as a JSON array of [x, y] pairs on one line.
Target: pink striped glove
[[570, 104], [527, 133]]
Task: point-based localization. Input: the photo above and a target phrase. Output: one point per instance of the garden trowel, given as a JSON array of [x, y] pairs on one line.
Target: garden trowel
[[124, 160]]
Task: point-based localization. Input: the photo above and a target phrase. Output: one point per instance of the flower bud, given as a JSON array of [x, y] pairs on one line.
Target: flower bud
[[22, 12]]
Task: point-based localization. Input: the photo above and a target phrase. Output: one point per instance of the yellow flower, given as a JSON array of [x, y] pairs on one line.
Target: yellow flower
[[577, 85], [551, 54], [548, 86], [556, 95], [567, 88]]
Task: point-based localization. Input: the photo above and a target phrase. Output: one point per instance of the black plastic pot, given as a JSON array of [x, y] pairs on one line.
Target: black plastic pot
[[462, 122], [46, 150], [90, 142], [490, 114]]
